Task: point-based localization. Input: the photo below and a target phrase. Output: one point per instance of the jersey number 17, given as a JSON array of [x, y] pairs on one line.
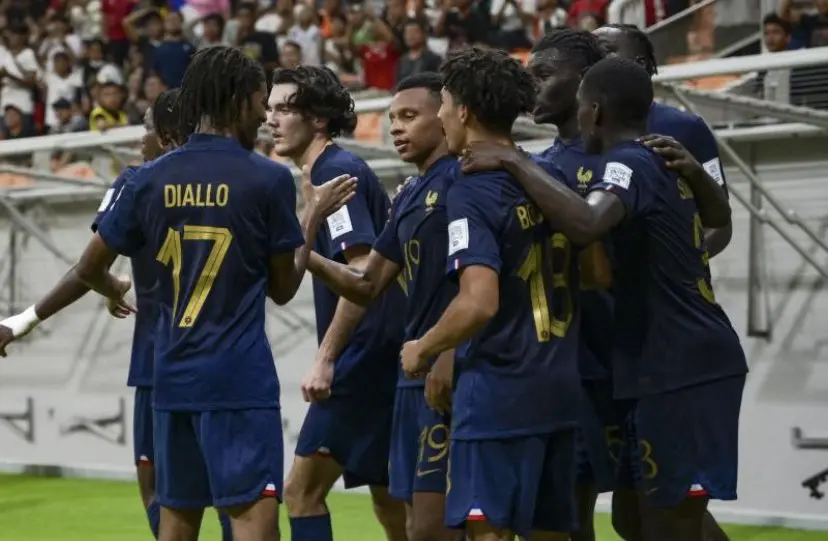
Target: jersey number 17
[[171, 254]]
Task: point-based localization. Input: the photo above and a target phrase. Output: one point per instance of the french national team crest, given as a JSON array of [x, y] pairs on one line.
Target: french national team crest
[[584, 178], [431, 200]]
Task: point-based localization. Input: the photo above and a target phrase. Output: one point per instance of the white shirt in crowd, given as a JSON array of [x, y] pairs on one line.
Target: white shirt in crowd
[[511, 21], [13, 93], [50, 47], [310, 40], [58, 87]]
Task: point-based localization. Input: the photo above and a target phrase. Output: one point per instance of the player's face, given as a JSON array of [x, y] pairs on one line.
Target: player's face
[[416, 130], [253, 118], [588, 114], [453, 117], [150, 145], [292, 132], [559, 82]]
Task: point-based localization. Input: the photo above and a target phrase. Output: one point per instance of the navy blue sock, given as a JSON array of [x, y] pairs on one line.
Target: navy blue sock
[[154, 516], [316, 528], [226, 531]]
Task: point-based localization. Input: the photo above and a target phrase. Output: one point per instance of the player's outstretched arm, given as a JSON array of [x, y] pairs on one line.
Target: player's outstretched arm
[[356, 285], [711, 198], [93, 270], [595, 267], [474, 306], [317, 383], [288, 270]]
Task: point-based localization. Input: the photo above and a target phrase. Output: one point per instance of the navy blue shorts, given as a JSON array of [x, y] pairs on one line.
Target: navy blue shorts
[[521, 484], [419, 446], [600, 417], [684, 443], [143, 445], [355, 432], [218, 458]]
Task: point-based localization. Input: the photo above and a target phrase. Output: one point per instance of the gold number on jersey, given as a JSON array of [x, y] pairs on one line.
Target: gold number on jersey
[[411, 257], [171, 254], [547, 323], [703, 284]]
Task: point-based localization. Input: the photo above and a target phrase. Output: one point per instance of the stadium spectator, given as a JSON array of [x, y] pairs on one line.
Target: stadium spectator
[[461, 24], [418, 57], [513, 21], [808, 28], [307, 34], [258, 45], [776, 33], [291, 55]]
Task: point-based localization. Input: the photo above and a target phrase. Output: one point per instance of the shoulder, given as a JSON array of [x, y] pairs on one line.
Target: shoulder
[[487, 189], [672, 121], [341, 162], [621, 165], [551, 168]]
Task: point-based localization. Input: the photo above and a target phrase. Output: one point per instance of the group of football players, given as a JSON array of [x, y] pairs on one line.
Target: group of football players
[[516, 335]]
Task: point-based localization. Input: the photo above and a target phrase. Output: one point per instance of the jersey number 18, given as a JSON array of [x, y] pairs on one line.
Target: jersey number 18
[[549, 323]]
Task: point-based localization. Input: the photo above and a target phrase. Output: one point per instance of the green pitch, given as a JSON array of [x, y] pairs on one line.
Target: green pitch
[[40, 509]]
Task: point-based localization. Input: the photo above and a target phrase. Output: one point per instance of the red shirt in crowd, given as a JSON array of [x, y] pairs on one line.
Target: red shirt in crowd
[[579, 8], [379, 64], [115, 12]]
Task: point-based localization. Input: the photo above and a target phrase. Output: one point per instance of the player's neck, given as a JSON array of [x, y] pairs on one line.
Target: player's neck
[[439, 152], [623, 135], [567, 131], [312, 151], [477, 136]]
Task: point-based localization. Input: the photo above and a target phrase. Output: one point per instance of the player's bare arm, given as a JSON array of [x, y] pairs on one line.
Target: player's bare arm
[[595, 269], [357, 285], [317, 383], [93, 270], [474, 306], [288, 270], [711, 199], [439, 380]]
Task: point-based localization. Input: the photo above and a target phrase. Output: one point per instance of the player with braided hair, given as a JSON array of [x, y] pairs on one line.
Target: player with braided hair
[[515, 403]]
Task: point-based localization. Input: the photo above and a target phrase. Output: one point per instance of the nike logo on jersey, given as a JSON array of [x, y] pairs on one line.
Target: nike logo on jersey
[[421, 473]]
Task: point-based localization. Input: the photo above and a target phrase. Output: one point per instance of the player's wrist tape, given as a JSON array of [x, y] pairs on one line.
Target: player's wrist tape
[[23, 322]]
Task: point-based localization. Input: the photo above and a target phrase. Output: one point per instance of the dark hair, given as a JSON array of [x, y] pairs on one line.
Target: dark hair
[[165, 117], [218, 84], [429, 80], [291, 43], [774, 19], [413, 21], [247, 6], [153, 15], [582, 47], [641, 43], [628, 103], [320, 94], [494, 86]]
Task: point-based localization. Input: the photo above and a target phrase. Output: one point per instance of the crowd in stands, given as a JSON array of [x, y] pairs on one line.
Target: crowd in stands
[[73, 65]]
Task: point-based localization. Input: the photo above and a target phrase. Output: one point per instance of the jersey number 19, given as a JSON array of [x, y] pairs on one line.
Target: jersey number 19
[[548, 322]]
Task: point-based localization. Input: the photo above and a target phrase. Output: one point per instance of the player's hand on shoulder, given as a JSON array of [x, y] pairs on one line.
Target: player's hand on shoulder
[[438, 383], [316, 385], [330, 196], [486, 156], [676, 157], [414, 364]]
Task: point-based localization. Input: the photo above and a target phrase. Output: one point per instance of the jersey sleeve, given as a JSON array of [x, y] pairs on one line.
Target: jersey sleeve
[[352, 224], [388, 242], [111, 196], [120, 227], [473, 229], [284, 231], [624, 179], [704, 148]]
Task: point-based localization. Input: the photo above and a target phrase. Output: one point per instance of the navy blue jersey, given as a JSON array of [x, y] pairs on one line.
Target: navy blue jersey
[[415, 238], [519, 374], [370, 360], [582, 170], [145, 286], [693, 134], [213, 213], [669, 331]]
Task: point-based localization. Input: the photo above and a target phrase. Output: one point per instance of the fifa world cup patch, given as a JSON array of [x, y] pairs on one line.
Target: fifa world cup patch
[[618, 174], [714, 169], [458, 233], [340, 223]]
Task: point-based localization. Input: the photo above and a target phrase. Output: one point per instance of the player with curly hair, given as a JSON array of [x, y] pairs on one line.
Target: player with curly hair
[[352, 382], [514, 324]]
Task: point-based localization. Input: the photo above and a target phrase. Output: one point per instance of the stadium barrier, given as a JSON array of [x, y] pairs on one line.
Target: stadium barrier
[[65, 410]]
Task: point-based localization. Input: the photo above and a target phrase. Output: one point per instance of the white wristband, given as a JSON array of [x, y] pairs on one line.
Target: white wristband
[[22, 323]]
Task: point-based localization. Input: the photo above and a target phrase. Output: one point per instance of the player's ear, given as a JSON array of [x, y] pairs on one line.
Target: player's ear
[[463, 113], [597, 113]]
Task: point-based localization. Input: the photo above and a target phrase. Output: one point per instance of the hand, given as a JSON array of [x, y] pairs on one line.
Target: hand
[[485, 156], [329, 197], [6, 338], [17, 326], [676, 157], [121, 308], [414, 364], [316, 385], [438, 386]]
